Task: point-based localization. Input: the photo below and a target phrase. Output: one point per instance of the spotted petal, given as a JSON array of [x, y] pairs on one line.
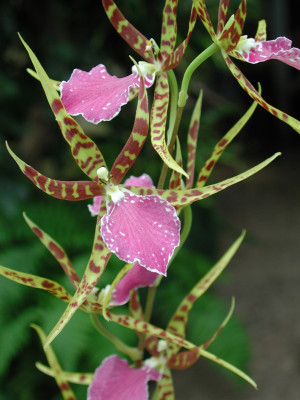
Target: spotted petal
[[143, 229], [97, 95], [279, 49], [116, 380]]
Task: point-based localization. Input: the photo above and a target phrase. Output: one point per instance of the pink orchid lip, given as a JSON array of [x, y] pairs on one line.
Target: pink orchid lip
[[109, 378], [254, 52], [99, 96], [143, 229]]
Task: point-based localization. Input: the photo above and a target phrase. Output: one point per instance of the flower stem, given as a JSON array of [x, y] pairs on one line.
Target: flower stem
[[132, 352], [208, 52]]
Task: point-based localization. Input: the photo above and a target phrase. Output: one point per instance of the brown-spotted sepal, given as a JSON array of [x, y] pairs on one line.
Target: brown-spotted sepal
[[63, 190], [85, 152]]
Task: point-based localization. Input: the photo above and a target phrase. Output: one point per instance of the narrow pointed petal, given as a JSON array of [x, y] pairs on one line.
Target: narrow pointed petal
[[174, 58], [184, 359], [192, 141], [56, 250], [231, 36], [63, 190], [37, 282], [96, 265], [145, 229], [136, 139], [165, 388], [204, 16], [97, 95], [135, 307], [80, 378], [116, 380], [136, 40], [222, 145], [169, 28], [249, 88], [141, 326], [85, 152], [63, 385], [223, 8], [261, 33], [137, 277], [175, 180], [179, 320], [279, 49], [184, 197], [159, 114]]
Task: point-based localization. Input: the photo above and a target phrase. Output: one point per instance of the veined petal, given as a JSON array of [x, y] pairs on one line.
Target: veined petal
[[279, 49], [136, 278], [116, 380], [248, 87], [145, 229], [97, 95]]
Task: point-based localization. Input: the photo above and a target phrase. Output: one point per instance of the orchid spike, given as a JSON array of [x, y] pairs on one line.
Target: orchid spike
[[109, 378], [231, 42], [137, 228]]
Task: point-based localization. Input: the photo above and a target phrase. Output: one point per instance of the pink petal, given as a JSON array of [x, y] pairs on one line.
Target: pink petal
[[116, 380], [141, 181], [97, 95], [94, 208], [145, 229], [136, 278], [279, 49]]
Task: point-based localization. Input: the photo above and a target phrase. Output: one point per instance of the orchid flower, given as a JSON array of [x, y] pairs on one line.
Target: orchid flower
[[231, 42], [109, 379], [99, 96], [138, 276]]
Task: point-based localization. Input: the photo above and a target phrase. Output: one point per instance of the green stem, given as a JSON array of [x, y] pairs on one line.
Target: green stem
[[190, 70], [132, 352]]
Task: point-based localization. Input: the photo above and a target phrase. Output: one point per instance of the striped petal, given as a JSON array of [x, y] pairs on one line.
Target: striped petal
[[231, 36], [165, 387], [159, 114], [223, 8], [249, 88], [169, 28], [97, 95], [63, 190], [136, 40], [85, 152], [204, 16], [136, 140], [56, 250], [63, 385], [96, 265], [145, 229], [116, 380]]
